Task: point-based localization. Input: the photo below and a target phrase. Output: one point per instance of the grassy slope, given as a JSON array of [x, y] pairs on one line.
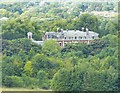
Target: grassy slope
[[21, 89]]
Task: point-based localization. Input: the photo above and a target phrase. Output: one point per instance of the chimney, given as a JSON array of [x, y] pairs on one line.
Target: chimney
[[82, 28], [87, 31], [62, 31]]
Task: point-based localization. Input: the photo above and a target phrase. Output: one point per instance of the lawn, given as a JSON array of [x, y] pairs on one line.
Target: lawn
[[21, 89]]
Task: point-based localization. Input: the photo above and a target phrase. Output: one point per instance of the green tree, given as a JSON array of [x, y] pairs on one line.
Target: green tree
[[112, 27], [61, 81], [41, 62], [42, 77], [88, 21], [13, 81], [28, 70], [51, 47]]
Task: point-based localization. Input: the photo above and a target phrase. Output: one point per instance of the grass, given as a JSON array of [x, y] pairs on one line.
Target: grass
[[21, 89]]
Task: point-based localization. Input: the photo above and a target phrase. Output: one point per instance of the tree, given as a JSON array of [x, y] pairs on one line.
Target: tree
[[29, 82], [13, 81], [41, 62], [102, 29], [42, 77], [88, 21], [28, 70], [112, 27], [18, 28], [51, 47], [61, 81]]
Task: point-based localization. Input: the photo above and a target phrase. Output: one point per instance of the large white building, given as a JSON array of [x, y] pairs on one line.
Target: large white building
[[71, 36], [68, 36]]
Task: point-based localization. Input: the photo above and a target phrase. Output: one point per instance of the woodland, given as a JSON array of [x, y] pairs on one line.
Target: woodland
[[75, 67]]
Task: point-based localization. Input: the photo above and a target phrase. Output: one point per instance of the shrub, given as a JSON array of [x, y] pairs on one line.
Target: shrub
[[29, 82], [13, 81], [43, 79]]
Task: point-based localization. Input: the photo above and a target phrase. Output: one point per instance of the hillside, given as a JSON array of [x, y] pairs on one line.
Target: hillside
[[74, 67]]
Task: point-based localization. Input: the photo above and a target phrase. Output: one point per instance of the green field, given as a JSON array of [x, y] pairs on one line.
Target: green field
[[21, 89]]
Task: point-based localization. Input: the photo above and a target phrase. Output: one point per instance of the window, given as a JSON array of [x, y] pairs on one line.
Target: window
[[75, 37], [85, 37], [65, 37], [48, 36], [60, 44], [52, 36], [69, 37], [80, 37], [93, 37], [30, 36]]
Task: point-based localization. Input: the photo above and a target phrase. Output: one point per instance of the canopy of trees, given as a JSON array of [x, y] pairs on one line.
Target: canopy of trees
[[75, 67]]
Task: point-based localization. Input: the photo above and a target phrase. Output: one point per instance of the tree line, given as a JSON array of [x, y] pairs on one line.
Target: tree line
[[76, 67]]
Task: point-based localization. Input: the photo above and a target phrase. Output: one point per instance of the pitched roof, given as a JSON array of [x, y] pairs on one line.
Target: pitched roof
[[72, 33]]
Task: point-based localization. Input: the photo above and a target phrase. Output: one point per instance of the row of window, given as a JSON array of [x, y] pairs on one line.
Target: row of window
[[78, 37], [70, 37], [61, 44]]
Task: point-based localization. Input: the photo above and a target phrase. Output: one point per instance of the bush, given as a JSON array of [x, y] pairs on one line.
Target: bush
[[13, 81], [29, 82], [43, 79]]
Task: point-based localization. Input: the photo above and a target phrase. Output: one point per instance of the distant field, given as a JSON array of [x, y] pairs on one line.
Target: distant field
[[21, 89]]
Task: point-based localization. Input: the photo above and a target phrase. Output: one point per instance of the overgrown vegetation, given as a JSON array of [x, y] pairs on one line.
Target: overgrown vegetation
[[76, 67]]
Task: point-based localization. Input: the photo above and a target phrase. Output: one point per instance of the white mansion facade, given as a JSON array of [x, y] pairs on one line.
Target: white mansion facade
[[68, 36]]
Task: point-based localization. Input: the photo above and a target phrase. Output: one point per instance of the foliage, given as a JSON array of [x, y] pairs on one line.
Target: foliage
[[87, 21], [28, 68], [85, 77], [29, 82], [51, 47], [13, 81], [42, 79], [75, 67]]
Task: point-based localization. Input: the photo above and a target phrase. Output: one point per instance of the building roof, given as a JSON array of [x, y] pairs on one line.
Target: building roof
[[72, 33]]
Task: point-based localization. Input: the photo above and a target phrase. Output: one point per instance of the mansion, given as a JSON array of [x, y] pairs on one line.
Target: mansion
[[68, 36]]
